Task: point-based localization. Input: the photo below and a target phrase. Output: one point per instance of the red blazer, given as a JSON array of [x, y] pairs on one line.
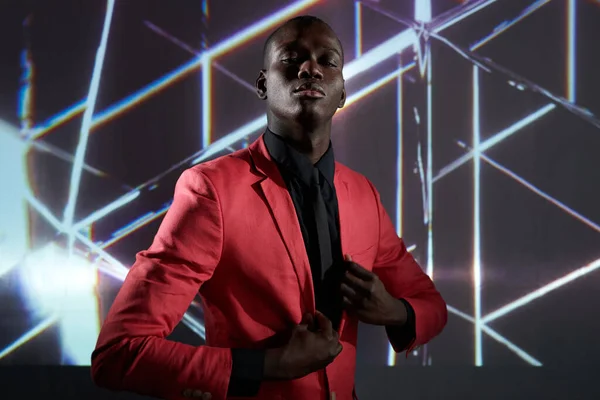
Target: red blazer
[[232, 235]]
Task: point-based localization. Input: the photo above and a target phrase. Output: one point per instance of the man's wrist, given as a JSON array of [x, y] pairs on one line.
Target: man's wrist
[[398, 314], [247, 372], [273, 369]]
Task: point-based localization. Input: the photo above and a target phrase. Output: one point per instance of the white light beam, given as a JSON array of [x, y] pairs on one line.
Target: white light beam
[[477, 219], [87, 123], [536, 294], [571, 50]]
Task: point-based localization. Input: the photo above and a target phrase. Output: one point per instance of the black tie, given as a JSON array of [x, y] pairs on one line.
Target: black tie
[[327, 290], [321, 224]]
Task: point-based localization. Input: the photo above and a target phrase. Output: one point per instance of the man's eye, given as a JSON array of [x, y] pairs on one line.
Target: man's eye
[[328, 62], [290, 60]]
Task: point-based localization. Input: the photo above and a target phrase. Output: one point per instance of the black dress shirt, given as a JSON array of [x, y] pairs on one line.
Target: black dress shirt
[[296, 171]]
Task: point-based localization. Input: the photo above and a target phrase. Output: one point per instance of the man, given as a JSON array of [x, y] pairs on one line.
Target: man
[[287, 248]]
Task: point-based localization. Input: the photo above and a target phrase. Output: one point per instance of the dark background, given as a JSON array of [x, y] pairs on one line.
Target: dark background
[[538, 188]]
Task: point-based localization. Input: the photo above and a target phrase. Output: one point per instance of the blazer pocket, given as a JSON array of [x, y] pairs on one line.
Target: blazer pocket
[[365, 257], [364, 250]]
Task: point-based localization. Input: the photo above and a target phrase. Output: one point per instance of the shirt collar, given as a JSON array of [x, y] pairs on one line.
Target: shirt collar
[[297, 163]]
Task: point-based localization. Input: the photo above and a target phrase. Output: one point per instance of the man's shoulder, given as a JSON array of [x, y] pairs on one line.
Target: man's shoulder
[[233, 166], [352, 177], [360, 189]]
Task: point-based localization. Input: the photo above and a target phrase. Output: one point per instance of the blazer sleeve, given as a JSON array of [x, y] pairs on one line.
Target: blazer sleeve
[[132, 352], [404, 279]]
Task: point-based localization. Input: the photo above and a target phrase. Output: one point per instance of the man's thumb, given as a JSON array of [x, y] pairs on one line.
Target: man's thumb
[[307, 319]]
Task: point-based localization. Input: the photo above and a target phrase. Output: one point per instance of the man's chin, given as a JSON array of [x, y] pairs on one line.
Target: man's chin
[[306, 113], [312, 111], [311, 117]]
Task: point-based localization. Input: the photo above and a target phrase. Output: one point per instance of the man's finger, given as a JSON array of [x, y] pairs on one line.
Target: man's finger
[[362, 287], [348, 291], [339, 348], [354, 299], [358, 271], [324, 324], [347, 302], [308, 320]]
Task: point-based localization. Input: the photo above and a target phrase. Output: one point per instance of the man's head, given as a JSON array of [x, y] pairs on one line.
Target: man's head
[[302, 79]]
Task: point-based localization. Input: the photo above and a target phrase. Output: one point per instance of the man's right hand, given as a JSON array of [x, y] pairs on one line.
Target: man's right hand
[[314, 344]]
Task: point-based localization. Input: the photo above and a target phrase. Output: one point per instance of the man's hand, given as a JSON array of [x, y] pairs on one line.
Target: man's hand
[[308, 350], [197, 394], [365, 296]]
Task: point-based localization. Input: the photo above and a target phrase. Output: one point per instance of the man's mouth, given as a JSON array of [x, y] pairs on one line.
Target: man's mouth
[[310, 90]]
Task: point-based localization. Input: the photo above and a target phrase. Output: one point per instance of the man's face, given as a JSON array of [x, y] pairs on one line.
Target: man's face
[[302, 80]]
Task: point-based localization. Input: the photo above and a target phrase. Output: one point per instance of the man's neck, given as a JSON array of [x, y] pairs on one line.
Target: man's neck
[[312, 142]]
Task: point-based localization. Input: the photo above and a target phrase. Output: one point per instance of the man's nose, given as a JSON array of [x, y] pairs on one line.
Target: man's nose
[[310, 69]]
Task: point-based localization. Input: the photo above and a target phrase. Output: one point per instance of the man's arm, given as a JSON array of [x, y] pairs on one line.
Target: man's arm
[[403, 278], [132, 352]]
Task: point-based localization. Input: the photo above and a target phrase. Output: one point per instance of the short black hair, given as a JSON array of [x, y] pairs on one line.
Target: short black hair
[[303, 21]]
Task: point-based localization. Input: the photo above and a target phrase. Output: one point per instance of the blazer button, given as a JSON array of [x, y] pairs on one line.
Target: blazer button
[[332, 397]]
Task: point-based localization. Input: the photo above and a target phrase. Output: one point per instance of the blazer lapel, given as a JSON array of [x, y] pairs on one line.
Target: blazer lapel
[[283, 212], [345, 216], [344, 209]]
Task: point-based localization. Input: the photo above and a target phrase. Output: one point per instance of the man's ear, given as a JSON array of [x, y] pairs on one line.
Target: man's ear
[[261, 84], [343, 99]]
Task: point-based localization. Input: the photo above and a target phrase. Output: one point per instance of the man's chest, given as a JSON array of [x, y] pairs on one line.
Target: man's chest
[[271, 225]]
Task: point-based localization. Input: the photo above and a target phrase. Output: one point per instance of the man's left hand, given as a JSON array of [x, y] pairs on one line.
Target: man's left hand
[[365, 296]]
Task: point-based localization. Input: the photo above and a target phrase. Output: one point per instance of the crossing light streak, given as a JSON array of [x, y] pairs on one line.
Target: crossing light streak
[[528, 358], [495, 139], [218, 50], [77, 169], [542, 291]]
